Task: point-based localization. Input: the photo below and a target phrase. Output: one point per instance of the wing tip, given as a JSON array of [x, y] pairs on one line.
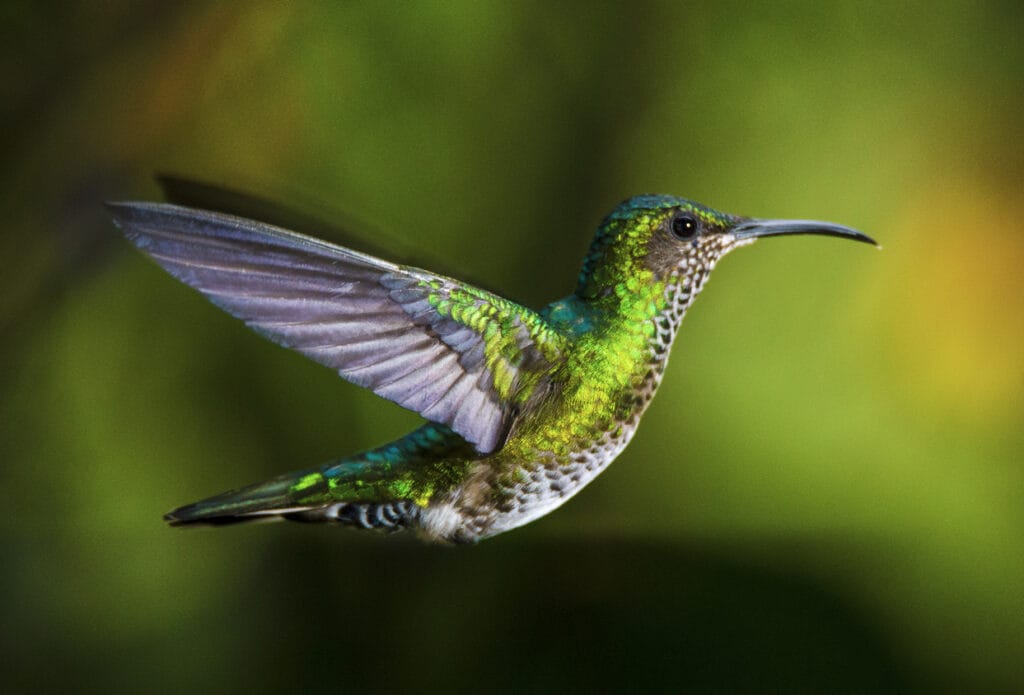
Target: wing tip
[[128, 208], [119, 210], [128, 214]]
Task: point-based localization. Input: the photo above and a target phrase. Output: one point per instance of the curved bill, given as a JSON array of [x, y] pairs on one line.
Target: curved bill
[[755, 229]]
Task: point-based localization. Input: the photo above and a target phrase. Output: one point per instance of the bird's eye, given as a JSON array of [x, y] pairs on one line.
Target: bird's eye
[[684, 227]]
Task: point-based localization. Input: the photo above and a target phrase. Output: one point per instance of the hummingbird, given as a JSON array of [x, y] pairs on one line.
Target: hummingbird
[[523, 408]]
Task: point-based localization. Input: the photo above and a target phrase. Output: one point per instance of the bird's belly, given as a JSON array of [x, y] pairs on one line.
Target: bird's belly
[[546, 489], [532, 489]]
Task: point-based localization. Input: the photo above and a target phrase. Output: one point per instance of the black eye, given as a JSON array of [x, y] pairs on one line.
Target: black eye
[[684, 227]]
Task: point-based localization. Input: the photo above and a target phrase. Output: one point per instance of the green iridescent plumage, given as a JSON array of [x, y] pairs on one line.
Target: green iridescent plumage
[[524, 407]]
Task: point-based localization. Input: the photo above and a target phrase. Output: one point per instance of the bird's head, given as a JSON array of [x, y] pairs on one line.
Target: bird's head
[[671, 244]]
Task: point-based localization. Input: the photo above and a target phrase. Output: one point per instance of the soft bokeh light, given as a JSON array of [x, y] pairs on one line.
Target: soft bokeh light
[[827, 493]]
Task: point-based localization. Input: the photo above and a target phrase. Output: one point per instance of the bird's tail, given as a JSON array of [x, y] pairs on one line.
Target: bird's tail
[[343, 493], [274, 498], [385, 488]]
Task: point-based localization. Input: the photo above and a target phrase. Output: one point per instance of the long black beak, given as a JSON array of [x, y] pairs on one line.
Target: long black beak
[[754, 229]]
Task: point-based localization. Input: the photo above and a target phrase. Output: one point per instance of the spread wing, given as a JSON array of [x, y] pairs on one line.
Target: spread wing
[[455, 354]]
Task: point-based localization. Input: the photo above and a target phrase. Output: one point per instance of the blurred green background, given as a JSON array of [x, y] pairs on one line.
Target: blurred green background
[[828, 493]]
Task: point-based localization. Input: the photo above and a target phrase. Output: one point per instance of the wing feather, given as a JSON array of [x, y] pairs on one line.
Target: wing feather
[[429, 343]]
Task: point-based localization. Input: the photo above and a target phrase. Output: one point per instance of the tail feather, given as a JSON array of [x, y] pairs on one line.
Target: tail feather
[[387, 487], [342, 493], [273, 499]]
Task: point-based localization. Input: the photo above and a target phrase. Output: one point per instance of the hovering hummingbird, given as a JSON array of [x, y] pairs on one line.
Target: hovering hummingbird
[[524, 407]]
